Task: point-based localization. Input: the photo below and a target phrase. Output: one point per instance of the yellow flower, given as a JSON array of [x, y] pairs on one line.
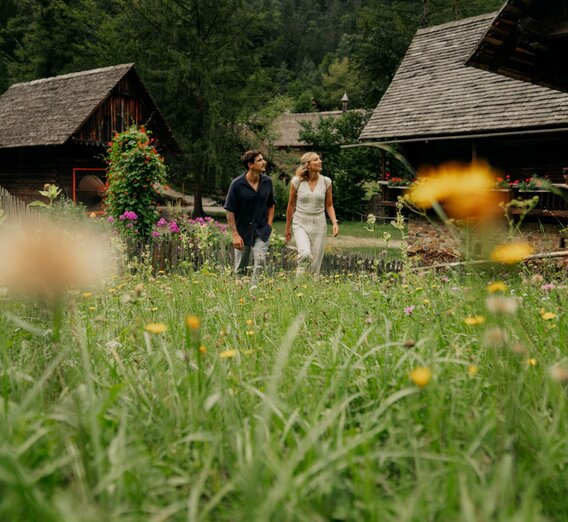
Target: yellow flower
[[87, 294], [192, 322], [154, 309], [497, 286], [92, 308], [299, 294], [249, 322], [421, 376], [156, 328], [250, 332], [511, 253], [464, 191], [472, 370], [227, 354], [202, 349], [531, 362], [475, 320], [548, 316]]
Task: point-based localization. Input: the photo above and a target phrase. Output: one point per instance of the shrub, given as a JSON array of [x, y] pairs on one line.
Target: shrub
[[134, 167]]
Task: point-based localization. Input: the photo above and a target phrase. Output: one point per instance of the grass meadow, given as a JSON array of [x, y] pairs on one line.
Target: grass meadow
[[430, 397]]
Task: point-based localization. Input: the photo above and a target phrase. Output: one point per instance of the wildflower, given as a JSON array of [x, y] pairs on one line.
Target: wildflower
[[496, 337], [497, 286], [249, 322], [409, 309], [444, 279], [156, 328], [174, 227], [371, 219], [162, 222], [502, 305], [531, 362], [548, 286], [192, 322], [472, 370], [299, 294], [87, 294], [409, 343], [249, 332], [155, 233], [421, 376], [110, 219], [536, 279], [202, 350], [558, 373], [474, 320], [92, 308], [227, 354], [511, 253], [464, 191], [44, 260], [547, 316]]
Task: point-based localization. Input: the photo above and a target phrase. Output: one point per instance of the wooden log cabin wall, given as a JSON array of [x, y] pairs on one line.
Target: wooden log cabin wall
[[56, 130]]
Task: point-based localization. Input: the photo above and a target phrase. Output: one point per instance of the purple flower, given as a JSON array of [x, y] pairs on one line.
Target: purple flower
[[155, 233], [409, 309], [162, 222], [174, 227], [130, 215], [444, 279], [110, 219], [547, 287], [130, 225]]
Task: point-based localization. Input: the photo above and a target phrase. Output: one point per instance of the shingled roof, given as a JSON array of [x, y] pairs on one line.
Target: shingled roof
[[49, 111], [434, 95], [287, 126]]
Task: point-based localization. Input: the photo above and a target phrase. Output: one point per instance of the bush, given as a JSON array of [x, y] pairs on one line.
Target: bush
[[134, 166]]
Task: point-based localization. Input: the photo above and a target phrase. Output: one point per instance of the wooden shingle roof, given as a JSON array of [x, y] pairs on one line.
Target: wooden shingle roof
[[50, 111], [287, 126], [433, 94]]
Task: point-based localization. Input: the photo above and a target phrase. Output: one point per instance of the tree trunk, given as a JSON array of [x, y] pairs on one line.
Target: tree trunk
[[198, 197]]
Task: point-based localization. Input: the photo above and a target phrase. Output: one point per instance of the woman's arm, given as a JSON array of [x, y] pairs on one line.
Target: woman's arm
[[290, 211], [331, 211]]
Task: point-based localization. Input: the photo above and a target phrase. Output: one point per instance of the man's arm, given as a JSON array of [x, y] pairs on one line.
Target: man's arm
[[270, 215], [238, 242]]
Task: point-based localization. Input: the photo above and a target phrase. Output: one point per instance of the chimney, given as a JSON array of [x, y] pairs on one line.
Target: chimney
[[344, 103]]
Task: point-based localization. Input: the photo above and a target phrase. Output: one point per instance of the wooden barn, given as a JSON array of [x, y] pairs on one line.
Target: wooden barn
[[437, 109], [56, 130]]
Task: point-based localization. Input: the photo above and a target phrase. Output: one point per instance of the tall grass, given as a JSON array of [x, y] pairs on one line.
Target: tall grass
[[292, 402]]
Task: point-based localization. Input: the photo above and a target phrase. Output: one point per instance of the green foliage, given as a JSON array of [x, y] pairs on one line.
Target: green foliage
[[290, 403], [134, 166], [281, 194], [348, 168]]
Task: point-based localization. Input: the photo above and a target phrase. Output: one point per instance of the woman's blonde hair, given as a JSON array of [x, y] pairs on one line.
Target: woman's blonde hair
[[302, 171]]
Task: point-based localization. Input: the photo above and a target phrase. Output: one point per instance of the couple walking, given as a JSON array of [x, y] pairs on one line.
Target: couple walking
[[250, 212]]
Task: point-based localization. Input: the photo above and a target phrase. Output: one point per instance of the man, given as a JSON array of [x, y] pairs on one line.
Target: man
[[250, 211]]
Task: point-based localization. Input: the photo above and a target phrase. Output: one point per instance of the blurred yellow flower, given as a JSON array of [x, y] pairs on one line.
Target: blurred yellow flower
[[202, 349], [511, 253], [548, 316], [87, 294], [421, 376], [464, 191], [472, 370], [156, 328], [474, 320], [497, 286], [192, 322], [299, 294], [227, 354], [249, 322], [531, 362]]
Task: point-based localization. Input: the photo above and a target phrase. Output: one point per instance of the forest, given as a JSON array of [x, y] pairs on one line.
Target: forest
[[216, 66]]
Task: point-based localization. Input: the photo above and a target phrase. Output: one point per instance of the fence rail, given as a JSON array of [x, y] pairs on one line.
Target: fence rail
[[173, 256]]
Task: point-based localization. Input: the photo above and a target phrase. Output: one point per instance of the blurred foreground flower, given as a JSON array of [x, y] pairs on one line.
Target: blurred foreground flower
[[421, 376], [559, 373], [502, 305], [511, 253], [44, 260], [464, 191], [496, 286], [475, 320], [156, 328]]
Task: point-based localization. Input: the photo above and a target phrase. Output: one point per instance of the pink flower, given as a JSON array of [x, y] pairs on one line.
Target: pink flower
[[547, 287], [110, 219], [155, 233], [409, 309], [174, 227], [162, 222]]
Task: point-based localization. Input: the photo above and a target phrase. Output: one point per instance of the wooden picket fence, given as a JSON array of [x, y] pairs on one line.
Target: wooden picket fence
[[14, 210], [173, 256]]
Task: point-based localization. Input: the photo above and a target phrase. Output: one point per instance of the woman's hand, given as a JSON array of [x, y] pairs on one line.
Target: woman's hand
[[335, 229], [288, 235]]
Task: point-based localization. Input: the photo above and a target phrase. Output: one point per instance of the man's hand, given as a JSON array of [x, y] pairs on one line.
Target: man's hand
[[238, 242]]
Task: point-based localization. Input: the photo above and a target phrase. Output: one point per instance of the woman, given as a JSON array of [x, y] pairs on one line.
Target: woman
[[310, 194]]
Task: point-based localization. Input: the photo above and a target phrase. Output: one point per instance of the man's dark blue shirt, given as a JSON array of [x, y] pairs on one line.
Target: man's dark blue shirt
[[251, 207]]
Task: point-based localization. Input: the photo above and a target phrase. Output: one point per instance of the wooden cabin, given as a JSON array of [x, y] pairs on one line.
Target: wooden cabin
[[56, 130], [436, 109], [527, 40]]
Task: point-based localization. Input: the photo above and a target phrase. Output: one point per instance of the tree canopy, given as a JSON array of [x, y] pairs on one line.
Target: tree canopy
[[215, 66]]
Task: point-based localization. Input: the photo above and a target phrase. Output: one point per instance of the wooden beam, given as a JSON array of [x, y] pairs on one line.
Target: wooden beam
[[533, 27]]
